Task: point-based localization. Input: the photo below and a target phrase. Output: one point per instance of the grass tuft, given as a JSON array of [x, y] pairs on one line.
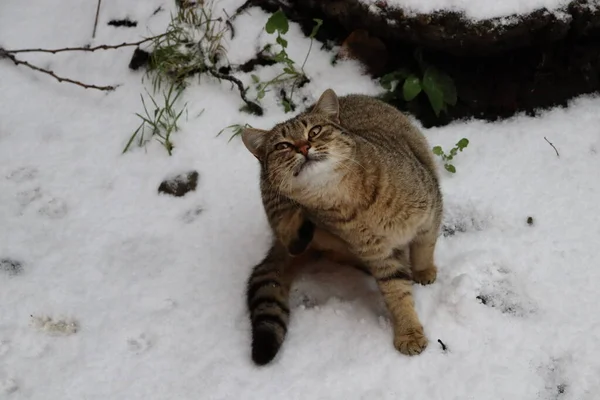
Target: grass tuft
[[161, 122], [192, 45]]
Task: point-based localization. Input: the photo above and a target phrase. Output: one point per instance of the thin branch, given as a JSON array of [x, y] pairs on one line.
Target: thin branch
[[557, 155], [444, 347], [96, 21], [90, 49], [241, 9], [16, 61], [252, 106], [237, 12]]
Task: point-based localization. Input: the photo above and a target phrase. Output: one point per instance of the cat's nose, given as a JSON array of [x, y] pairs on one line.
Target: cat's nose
[[303, 148]]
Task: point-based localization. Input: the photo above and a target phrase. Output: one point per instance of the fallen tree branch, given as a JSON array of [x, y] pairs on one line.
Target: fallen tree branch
[[90, 49], [252, 106], [16, 61]]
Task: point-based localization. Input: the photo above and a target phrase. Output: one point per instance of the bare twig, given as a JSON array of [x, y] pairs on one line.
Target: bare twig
[[241, 9], [444, 347], [252, 106], [550, 143], [90, 49], [96, 21], [16, 61]]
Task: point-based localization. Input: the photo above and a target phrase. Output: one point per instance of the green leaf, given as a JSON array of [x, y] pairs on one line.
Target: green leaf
[[434, 93], [436, 99], [255, 78], [289, 70], [447, 85], [412, 87], [450, 168], [261, 94], [318, 23], [277, 22], [281, 41], [281, 56], [387, 81], [462, 143], [287, 107], [443, 82], [437, 150]]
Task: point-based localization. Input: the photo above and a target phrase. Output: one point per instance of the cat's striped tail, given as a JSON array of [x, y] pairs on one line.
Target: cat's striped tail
[[267, 296]]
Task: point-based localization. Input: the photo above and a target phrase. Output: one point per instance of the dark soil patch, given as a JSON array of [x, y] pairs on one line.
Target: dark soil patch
[[10, 266], [259, 61], [538, 61], [126, 23]]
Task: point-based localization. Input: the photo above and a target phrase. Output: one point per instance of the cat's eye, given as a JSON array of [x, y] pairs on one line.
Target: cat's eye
[[282, 146], [314, 131]]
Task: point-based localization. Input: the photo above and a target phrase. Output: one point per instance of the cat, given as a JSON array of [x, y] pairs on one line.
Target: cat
[[353, 179]]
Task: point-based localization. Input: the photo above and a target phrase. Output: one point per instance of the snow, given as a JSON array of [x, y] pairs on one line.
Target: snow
[[147, 290], [479, 10]]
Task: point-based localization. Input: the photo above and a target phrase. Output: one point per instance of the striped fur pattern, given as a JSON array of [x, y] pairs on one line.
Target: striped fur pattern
[[267, 298], [352, 179]]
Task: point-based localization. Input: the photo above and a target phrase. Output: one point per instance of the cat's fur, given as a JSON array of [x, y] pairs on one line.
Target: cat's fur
[[354, 179]]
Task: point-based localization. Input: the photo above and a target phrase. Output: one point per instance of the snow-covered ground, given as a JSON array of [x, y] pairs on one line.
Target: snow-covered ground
[[478, 9], [154, 285]]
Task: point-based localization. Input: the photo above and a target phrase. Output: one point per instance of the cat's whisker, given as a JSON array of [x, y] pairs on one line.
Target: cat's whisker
[[342, 159]]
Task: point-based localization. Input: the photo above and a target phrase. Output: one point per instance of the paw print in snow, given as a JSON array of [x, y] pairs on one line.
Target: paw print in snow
[[139, 344], [4, 347], [22, 174], [54, 208], [460, 218], [504, 292], [8, 384], [11, 267], [27, 197], [191, 215]]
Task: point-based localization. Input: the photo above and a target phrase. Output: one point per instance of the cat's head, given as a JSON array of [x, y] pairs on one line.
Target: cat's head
[[308, 151]]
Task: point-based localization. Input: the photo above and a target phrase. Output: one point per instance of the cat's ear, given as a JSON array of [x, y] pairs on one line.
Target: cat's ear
[[328, 105], [254, 140]]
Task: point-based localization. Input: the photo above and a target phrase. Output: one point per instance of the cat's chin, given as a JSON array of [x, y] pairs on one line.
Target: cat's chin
[[306, 166], [314, 173]]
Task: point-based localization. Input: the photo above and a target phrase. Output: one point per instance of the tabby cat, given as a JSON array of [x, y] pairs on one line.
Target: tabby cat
[[353, 179]]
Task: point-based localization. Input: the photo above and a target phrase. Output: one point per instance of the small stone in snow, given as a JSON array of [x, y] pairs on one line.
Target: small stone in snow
[[179, 185]]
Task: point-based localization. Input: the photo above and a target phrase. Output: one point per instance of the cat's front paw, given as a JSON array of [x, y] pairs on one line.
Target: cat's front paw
[[305, 235], [426, 276], [411, 343]]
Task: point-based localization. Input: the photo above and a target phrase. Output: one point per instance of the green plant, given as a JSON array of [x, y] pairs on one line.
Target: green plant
[[279, 24], [237, 129], [460, 146], [192, 44], [437, 86], [161, 122]]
